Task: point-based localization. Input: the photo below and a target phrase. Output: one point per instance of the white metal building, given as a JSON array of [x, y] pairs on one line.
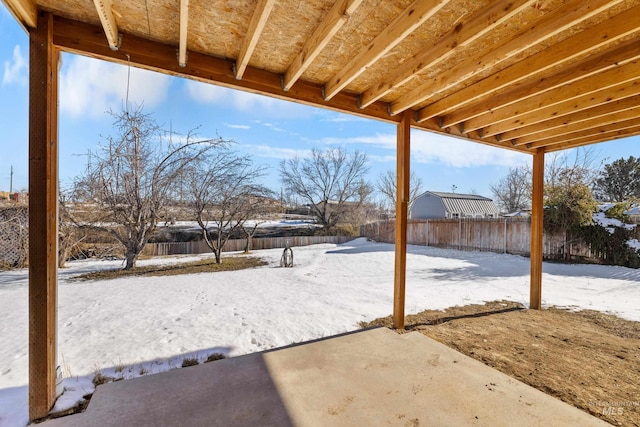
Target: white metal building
[[432, 204]]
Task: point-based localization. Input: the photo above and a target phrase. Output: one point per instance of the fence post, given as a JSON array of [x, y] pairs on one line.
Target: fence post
[[427, 233], [459, 233], [505, 235]]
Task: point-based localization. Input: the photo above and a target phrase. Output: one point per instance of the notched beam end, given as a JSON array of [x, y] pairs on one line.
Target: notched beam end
[[116, 47]]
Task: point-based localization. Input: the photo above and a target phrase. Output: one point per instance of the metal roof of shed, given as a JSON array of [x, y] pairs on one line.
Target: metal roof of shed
[[467, 204]]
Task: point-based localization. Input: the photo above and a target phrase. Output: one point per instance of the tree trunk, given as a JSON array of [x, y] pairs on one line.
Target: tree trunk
[[132, 257], [217, 252], [247, 248]]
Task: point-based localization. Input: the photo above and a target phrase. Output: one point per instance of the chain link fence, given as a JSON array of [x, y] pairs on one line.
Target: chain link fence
[[14, 237]]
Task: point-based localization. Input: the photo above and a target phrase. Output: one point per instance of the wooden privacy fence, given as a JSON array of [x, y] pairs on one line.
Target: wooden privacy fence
[[507, 235], [200, 247]]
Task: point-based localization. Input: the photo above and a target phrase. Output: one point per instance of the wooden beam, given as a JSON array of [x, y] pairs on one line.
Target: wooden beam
[[491, 56], [580, 45], [537, 211], [25, 12], [589, 123], [468, 30], [43, 216], [618, 83], [587, 133], [184, 30], [334, 20], [619, 134], [402, 204], [606, 114], [258, 21], [108, 22], [86, 39], [403, 25], [498, 107]]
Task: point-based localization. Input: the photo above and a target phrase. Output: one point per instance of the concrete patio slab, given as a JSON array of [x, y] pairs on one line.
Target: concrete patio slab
[[368, 378]]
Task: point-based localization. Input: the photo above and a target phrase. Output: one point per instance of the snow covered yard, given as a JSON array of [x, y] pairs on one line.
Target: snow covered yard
[[137, 325]]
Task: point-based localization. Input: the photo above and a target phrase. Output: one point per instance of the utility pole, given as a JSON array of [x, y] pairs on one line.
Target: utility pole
[[11, 181]]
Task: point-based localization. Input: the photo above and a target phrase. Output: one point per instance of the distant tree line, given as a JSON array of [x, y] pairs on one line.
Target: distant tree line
[[141, 173], [572, 190]]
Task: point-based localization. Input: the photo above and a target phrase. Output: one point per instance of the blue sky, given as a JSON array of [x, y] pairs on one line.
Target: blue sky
[[268, 129]]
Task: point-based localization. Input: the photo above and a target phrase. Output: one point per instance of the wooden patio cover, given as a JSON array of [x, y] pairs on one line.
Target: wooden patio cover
[[534, 76]]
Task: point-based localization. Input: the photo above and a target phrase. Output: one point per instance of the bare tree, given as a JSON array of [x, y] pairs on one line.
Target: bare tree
[[224, 192], [130, 178], [249, 230], [70, 232], [387, 185], [513, 192], [331, 182]]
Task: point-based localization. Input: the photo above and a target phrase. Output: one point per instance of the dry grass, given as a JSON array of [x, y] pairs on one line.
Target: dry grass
[[189, 361], [202, 266], [588, 359], [215, 356]]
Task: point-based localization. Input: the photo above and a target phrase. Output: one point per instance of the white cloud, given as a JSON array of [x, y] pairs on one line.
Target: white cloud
[[271, 126], [429, 147], [245, 101], [275, 152], [91, 87], [381, 159], [232, 126], [333, 117], [384, 141], [13, 69]]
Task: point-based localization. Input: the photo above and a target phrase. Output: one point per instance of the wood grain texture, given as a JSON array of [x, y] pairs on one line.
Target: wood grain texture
[[43, 217]]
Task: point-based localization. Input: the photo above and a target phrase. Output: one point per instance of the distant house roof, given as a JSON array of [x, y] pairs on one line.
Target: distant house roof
[[517, 213], [469, 204]]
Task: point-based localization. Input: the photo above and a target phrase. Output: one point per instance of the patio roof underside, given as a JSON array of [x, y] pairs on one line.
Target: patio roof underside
[[527, 75]]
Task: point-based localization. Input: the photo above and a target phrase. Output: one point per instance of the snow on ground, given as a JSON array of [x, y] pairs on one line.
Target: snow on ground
[[131, 326]]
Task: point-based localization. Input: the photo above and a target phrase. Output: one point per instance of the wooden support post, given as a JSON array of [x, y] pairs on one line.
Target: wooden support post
[[537, 212], [402, 204], [43, 216]]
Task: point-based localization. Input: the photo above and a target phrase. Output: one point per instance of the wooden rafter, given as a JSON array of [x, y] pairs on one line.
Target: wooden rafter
[[580, 45], [184, 29], [586, 133], [556, 21], [108, 22], [567, 110], [501, 106], [258, 21], [624, 133], [25, 11], [623, 109], [599, 122], [464, 33], [75, 37], [404, 24], [332, 22]]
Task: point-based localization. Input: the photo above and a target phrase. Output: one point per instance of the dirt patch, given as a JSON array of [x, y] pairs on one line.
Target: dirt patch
[[588, 359], [203, 266]]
